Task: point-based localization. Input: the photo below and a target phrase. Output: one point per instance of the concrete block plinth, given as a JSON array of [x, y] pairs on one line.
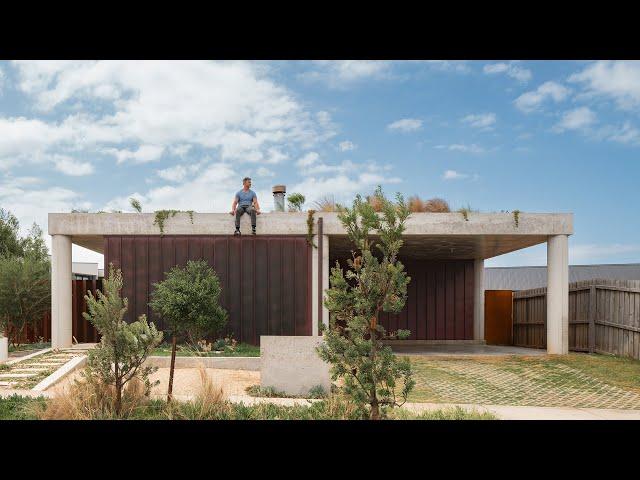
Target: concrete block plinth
[[4, 349], [292, 365]]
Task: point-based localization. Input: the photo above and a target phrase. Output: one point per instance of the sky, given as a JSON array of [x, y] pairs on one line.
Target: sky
[[537, 136]]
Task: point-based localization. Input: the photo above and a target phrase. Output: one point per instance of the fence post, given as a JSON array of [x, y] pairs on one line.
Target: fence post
[[592, 318]]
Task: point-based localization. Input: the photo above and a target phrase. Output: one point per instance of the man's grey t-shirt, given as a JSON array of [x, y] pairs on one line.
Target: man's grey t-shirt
[[245, 199]]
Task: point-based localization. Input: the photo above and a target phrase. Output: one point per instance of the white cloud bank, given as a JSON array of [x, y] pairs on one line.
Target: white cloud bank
[[533, 100], [406, 125], [520, 74]]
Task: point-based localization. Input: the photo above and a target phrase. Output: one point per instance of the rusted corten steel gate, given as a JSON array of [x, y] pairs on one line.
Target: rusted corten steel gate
[[439, 303], [266, 280]]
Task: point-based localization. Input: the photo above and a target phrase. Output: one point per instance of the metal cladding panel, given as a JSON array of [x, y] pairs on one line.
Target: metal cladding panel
[[265, 279], [439, 302]]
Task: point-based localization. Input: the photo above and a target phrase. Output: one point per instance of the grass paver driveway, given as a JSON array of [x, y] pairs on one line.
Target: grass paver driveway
[[574, 380]]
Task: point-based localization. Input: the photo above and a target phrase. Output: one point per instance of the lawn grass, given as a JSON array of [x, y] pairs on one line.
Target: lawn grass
[[552, 380], [29, 346], [240, 350]]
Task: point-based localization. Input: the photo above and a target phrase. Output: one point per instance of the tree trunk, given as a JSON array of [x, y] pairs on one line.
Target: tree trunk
[[118, 389], [171, 369], [375, 409]]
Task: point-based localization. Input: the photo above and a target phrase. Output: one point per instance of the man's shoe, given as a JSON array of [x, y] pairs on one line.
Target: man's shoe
[[237, 232], [253, 231]]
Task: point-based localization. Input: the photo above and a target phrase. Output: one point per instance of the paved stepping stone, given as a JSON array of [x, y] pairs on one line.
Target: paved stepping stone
[[17, 375], [5, 384], [45, 364], [26, 370]]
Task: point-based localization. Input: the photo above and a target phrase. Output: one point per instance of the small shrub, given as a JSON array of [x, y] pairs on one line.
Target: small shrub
[[209, 403], [436, 205], [269, 392], [135, 204], [326, 204], [317, 391], [295, 200]]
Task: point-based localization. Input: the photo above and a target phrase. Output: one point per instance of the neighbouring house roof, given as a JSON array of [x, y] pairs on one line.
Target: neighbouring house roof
[[525, 278]]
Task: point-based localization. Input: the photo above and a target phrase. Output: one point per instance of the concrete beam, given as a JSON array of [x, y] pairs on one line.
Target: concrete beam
[[277, 223], [478, 300], [61, 281], [558, 295]]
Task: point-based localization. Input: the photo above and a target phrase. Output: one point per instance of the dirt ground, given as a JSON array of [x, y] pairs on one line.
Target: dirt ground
[[186, 381]]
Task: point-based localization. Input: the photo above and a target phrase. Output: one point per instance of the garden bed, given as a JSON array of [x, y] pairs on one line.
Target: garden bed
[[239, 350]]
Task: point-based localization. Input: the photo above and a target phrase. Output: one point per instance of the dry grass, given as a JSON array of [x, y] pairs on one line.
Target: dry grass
[[416, 204], [375, 202], [436, 205], [209, 403], [87, 400]]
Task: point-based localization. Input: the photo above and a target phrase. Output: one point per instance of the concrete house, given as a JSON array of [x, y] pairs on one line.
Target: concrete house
[[273, 282]]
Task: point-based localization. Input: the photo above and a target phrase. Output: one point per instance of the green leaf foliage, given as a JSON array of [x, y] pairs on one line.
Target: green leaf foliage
[[188, 301], [123, 347], [374, 282]]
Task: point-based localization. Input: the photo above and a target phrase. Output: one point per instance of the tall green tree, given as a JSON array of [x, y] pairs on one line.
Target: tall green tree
[[10, 242], [123, 346], [188, 302], [374, 282], [25, 294]]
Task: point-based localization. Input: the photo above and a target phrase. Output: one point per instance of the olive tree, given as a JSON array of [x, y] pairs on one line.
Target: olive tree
[[187, 300]]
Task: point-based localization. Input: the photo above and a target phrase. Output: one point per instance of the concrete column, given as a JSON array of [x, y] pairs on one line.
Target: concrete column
[[557, 295], [325, 276], [478, 299], [61, 314], [314, 288]]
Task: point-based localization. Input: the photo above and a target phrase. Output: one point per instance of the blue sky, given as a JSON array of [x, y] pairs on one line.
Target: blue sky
[[557, 136]]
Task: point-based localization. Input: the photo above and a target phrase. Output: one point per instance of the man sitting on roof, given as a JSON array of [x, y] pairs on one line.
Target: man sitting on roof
[[245, 201]]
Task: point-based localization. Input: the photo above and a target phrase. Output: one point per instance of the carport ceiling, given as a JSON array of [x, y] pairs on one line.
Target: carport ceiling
[[92, 242], [448, 247]]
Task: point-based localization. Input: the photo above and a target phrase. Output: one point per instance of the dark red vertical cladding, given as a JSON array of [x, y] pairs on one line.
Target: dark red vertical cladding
[[439, 301], [247, 291], [261, 290], [128, 266], [288, 287], [233, 288], [142, 276], [275, 287], [440, 290], [468, 300], [265, 279]]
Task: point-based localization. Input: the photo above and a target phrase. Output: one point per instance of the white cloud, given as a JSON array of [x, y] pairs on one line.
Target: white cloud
[[180, 150], [346, 146], [480, 120], [230, 107], [531, 101], [522, 75], [265, 172], [576, 119], [173, 174], [308, 159], [618, 80], [626, 134], [343, 73], [406, 125], [144, 154], [455, 66], [453, 175], [460, 147], [73, 167]]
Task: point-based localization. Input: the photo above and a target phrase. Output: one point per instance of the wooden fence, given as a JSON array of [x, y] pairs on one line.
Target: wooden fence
[[81, 329], [604, 317]]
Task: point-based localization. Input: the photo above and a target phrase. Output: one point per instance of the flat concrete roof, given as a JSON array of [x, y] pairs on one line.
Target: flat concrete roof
[[427, 235]]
